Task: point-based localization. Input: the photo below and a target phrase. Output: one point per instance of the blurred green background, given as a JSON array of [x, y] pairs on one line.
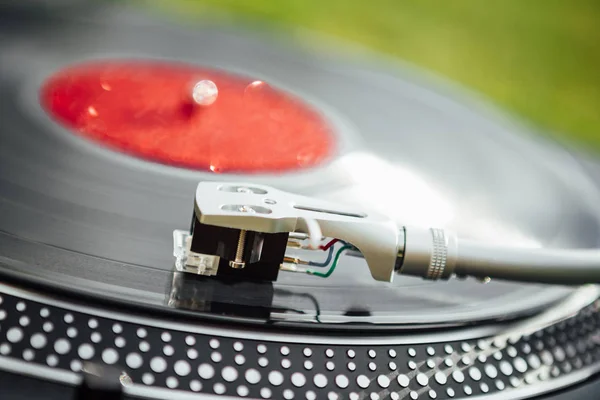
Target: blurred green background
[[539, 59]]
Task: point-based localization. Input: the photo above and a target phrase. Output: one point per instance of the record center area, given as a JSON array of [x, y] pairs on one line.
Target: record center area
[[145, 108]]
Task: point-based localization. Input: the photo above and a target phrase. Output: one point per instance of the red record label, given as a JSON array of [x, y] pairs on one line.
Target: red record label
[[146, 109]]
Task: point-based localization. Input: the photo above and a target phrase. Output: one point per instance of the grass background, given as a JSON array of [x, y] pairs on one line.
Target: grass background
[[539, 59]]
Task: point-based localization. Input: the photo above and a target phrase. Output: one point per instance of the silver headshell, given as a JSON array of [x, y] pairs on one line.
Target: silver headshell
[[263, 209]]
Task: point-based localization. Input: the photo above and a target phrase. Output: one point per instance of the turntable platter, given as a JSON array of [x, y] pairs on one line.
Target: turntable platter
[[81, 217]]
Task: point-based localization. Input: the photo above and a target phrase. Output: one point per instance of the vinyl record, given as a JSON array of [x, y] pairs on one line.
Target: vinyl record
[[86, 217]]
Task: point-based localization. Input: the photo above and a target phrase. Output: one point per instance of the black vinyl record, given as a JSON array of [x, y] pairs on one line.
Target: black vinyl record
[[87, 219]]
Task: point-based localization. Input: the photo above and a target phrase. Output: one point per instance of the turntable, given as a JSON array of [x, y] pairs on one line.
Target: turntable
[[118, 129]]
